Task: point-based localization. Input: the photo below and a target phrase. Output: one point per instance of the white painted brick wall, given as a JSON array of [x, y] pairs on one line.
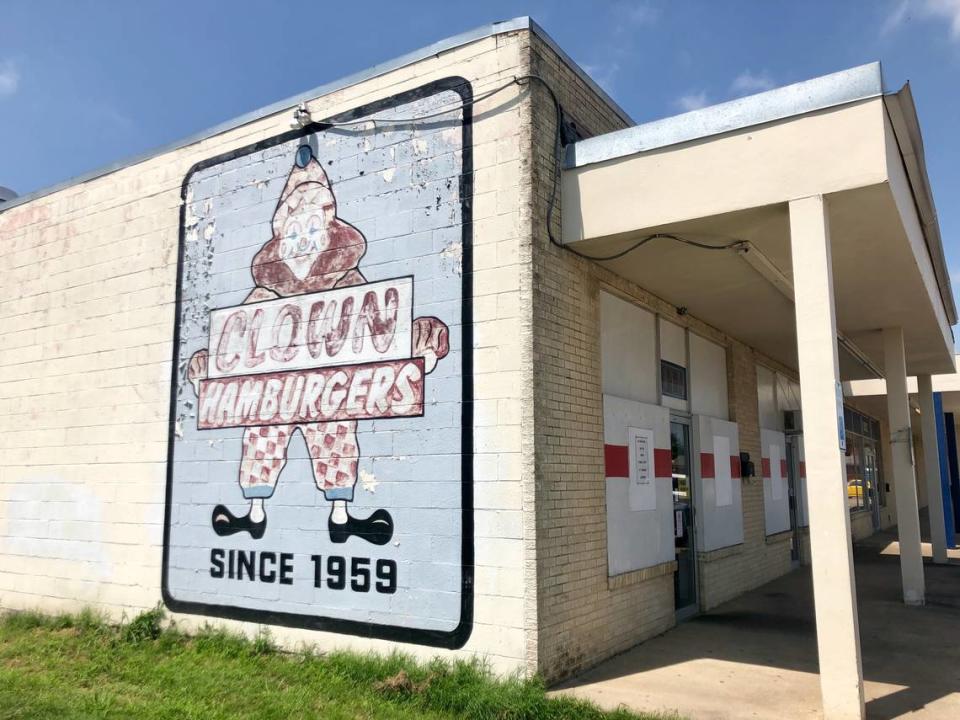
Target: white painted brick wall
[[86, 323]]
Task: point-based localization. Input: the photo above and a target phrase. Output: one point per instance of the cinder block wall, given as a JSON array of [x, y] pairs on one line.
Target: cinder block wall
[[86, 330], [86, 322], [580, 619]]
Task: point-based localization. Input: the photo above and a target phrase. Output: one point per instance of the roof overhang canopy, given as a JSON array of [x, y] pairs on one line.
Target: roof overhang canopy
[[727, 173]]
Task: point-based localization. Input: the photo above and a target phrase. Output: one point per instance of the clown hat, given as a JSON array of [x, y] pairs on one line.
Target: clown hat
[[307, 175]]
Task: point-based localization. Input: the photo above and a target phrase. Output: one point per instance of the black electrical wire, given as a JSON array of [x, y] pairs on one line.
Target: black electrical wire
[[436, 113], [522, 80], [551, 204]]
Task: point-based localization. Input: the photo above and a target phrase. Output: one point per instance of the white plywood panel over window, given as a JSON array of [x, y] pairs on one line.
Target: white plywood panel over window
[[717, 487], [628, 350], [673, 343], [770, 417], [803, 519], [673, 349], [776, 496], [788, 393], [639, 490], [708, 378]]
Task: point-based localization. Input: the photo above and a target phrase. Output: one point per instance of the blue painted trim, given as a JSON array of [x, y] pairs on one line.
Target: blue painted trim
[[954, 464], [345, 493], [257, 492], [948, 519]]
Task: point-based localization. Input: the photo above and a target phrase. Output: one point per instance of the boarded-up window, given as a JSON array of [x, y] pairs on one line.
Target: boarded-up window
[[708, 378], [628, 350]]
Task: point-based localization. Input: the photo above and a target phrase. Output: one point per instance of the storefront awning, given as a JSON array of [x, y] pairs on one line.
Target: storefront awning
[[723, 176]]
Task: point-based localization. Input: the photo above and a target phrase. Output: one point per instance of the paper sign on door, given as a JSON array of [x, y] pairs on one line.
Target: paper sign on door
[[643, 489], [723, 482]]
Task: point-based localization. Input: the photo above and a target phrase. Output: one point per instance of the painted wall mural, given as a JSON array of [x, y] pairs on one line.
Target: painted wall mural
[[320, 461]]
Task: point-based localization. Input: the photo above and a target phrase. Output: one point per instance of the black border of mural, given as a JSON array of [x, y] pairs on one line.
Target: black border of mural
[[457, 637]]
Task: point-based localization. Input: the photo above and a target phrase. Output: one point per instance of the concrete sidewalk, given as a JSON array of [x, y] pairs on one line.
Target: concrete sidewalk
[[756, 656]]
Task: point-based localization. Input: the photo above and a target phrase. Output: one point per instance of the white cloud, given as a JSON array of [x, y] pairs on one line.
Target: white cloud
[[636, 13], [692, 101], [895, 18], [942, 10], [948, 10], [603, 74], [625, 20], [9, 78], [747, 82]]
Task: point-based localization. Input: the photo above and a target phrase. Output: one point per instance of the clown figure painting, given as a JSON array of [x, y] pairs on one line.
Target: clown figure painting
[[320, 468], [313, 250]]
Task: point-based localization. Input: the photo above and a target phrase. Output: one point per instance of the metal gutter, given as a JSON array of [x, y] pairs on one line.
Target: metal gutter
[[441, 46], [841, 88]]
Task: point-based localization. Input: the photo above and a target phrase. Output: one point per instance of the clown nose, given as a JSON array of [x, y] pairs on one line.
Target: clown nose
[[304, 155]]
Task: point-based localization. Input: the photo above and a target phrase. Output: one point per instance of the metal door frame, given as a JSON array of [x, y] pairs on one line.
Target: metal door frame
[[873, 488], [693, 608], [794, 494]]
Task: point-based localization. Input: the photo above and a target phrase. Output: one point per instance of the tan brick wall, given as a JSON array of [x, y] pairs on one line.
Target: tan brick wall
[[581, 618], [86, 328], [759, 558], [584, 616]]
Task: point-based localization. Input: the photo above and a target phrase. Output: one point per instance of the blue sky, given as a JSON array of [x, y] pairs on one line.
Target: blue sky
[[84, 83]]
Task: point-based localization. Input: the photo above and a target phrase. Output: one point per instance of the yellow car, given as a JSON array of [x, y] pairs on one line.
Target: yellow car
[[855, 488]]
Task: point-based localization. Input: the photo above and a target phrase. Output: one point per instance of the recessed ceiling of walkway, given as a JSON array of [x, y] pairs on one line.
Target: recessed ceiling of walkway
[[736, 186]]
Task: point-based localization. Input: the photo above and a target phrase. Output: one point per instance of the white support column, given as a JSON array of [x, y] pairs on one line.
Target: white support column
[[904, 478], [931, 465], [834, 591]]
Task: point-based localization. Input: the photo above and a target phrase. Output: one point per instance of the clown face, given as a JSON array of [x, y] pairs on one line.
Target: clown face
[[303, 233], [310, 248]]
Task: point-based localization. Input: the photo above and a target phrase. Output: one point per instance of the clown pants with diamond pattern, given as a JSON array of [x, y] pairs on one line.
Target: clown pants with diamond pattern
[[333, 453]]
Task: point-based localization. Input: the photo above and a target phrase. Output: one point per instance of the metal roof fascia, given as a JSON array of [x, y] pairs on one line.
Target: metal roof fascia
[[840, 88]]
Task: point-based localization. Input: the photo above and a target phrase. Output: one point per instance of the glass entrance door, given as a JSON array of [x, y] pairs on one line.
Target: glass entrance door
[[685, 577]]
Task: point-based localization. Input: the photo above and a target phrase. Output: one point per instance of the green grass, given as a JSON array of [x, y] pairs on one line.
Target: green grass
[[78, 666]]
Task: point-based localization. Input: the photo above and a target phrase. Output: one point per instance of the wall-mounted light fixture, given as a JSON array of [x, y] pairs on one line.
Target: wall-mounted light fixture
[[765, 267], [773, 275]]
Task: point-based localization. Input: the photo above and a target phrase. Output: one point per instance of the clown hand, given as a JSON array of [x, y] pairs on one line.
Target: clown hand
[[431, 341], [197, 370]]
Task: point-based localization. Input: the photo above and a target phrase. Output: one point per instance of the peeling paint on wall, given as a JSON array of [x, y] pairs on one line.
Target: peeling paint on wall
[[453, 253], [368, 481]]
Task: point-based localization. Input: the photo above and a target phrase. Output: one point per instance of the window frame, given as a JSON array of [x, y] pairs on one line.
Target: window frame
[[665, 387], [861, 429]]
